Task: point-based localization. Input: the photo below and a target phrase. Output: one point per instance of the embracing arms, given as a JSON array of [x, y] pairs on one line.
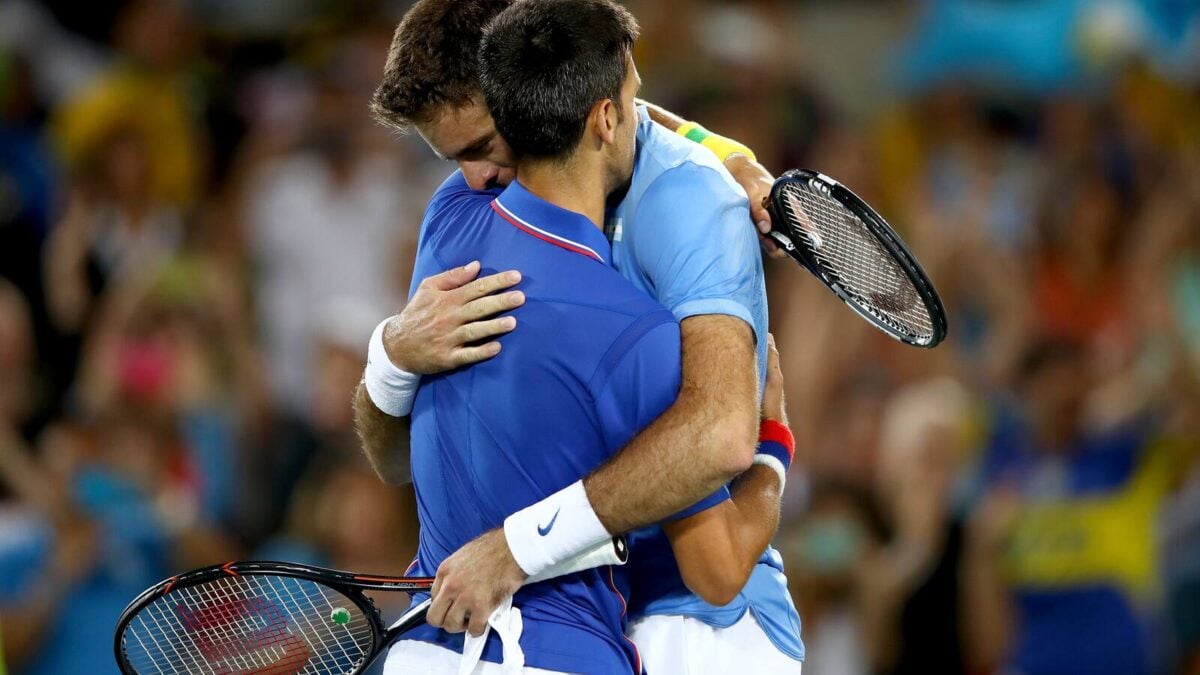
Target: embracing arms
[[718, 548], [703, 441]]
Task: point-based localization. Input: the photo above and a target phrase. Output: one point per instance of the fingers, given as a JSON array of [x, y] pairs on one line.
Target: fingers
[[490, 284], [772, 355], [476, 623], [452, 278], [771, 248], [492, 304], [456, 617], [436, 616], [773, 399], [465, 356], [762, 219], [474, 332]]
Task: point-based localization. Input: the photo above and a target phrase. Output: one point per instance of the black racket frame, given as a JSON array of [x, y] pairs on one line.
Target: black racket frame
[[348, 584], [883, 232]]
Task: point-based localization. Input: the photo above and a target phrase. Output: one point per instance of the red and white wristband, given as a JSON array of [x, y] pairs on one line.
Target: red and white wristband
[[776, 447], [391, 389]]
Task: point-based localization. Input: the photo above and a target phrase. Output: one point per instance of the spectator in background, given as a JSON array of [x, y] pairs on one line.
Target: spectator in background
[[328, 438], [113, 227], [329, 219], [340, 515], [146, 88], [1079, 280], [28, 191], [825, 553], [912, 604], [107, 506], [1061, 548], [169, 343], [18, 362]]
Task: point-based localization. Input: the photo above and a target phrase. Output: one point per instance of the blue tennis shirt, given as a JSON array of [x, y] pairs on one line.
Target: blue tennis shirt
[[593, 361], [682, 235]]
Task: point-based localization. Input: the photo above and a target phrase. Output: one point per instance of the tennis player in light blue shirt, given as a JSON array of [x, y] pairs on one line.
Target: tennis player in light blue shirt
[[680, 235]]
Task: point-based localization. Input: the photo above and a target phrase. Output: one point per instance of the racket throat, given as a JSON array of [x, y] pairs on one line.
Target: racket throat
[[783, 240]]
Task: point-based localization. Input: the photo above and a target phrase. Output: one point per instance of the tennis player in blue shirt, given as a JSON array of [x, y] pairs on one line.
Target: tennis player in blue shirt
[[706, 289]]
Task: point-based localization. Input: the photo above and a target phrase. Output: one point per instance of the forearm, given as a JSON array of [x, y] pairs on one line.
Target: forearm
[[385, 438], [716, 549], [755, 496], [703, 441], [662, 116]]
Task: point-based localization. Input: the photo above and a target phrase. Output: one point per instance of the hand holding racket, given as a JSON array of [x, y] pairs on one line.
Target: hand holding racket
[[279, 618], [851, 249]]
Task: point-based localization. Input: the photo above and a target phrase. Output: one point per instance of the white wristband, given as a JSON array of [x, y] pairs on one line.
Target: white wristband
[[773, 464], [559, 527], [391, 389]]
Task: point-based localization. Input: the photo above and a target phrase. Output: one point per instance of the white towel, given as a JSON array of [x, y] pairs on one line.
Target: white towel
[[507, 623]]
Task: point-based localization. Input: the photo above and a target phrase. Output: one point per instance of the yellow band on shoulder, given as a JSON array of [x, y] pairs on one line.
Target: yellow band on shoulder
[[719, 145]]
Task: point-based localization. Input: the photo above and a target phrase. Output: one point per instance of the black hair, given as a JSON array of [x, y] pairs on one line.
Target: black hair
[[545, 63]]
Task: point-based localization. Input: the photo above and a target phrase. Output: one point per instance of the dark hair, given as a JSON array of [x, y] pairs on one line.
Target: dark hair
[[433, 60], [545, 63]]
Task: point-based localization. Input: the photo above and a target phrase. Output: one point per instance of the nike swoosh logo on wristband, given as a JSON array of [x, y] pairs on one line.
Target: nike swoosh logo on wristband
[[543, 531]]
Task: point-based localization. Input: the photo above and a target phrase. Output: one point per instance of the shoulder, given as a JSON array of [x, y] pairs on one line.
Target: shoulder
[[673, 164], [454, 203], [597, 291], [455, 191], [689, 189]]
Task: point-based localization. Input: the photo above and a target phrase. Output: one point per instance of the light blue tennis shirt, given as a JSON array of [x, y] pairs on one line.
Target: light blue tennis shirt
[[682, 234]]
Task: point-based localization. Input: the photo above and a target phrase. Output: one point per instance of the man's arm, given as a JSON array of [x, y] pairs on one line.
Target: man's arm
[[384, 439], [703, 441], [717, 548], [439, 329]]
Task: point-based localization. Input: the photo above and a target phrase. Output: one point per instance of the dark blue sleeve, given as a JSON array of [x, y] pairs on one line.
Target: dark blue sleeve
[[721, 495], [639, 382]]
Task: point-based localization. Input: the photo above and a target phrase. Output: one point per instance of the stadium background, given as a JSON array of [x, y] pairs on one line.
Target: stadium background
[[199, 225]]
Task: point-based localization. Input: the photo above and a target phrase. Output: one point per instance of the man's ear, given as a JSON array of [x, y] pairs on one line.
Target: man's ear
[[603, 119]]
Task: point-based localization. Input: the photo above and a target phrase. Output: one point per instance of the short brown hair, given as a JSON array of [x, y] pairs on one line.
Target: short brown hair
[[433, 60]]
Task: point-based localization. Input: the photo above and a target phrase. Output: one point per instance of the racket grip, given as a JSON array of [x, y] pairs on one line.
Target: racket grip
[[612, 552]]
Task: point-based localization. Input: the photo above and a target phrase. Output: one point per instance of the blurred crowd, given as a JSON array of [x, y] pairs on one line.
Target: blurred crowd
[[200, 226]]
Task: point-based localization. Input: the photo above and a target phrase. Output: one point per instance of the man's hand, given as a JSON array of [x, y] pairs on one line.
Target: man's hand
[[756, 181], [450, 313], [773, 405], [472, 583]]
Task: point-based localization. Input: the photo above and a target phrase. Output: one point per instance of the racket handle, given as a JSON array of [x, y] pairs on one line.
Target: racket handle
[[612, 552]]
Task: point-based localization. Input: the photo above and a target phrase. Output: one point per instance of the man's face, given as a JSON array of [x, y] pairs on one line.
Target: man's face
[[468, 136], [624, 148]]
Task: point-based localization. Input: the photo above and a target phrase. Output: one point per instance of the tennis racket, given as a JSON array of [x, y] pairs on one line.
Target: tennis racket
[[279, 618], [850, 248]]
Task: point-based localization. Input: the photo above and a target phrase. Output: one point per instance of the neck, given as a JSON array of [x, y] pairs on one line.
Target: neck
[[574, 185]]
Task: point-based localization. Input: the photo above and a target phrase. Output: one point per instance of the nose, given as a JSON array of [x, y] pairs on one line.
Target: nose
[[479, 175]]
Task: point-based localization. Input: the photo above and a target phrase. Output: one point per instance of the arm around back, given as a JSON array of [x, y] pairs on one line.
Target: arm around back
[[703, 441], [717, 548]]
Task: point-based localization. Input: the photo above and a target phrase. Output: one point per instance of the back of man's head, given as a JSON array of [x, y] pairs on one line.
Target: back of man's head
[[545, 63], [433, 61]]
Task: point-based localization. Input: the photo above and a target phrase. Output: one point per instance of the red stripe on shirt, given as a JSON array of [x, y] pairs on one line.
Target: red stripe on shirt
[[539, 235], [636, 652]]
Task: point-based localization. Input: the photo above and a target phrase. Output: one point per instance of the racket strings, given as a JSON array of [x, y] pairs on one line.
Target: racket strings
[[854, 258], [248, 624]]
